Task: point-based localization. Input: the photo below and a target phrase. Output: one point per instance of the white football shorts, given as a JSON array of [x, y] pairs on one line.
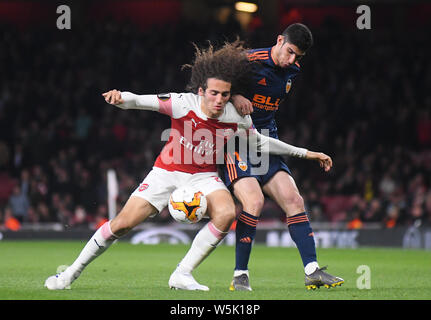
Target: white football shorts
[[160, 183]]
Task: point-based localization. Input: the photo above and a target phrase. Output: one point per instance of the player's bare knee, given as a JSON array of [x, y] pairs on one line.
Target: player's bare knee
[[250, 195], [135, 211], [223, 217], [294, 204], [226, 213], [253, 204]]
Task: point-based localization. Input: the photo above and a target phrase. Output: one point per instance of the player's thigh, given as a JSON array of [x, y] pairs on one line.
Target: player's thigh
[[283, 190], [248, 191], [135, 211], [158, 186], [221, 208]]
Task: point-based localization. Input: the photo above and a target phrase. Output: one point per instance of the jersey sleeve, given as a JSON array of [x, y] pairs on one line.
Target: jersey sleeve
[[245, 127], [140, 102], [171, 104], [246, 123], [262, 143]]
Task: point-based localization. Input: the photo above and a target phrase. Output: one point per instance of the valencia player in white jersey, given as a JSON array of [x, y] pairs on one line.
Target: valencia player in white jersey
[[202, 122]]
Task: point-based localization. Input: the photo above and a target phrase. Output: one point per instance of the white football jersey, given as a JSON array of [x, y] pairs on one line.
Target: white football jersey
[[196, 141]]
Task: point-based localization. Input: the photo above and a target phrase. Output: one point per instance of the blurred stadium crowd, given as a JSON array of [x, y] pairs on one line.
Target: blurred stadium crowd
[[361, 98]]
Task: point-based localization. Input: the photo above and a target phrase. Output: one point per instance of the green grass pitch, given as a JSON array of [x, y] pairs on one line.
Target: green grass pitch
[[141, 272]]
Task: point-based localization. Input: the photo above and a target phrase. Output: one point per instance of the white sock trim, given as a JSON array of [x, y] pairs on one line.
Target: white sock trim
[[237, 273], [311, 267], [106, 231], [216, 232]]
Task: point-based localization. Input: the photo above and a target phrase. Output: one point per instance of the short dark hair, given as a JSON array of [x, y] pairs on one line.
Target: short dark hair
[[229, 63], [299, 35]]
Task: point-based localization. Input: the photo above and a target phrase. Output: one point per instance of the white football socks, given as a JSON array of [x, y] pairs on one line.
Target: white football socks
[[311, 267], [98, 243], [237, 273], [203, 244]]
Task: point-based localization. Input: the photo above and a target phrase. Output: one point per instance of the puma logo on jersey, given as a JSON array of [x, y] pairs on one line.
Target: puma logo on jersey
[[195, 124]]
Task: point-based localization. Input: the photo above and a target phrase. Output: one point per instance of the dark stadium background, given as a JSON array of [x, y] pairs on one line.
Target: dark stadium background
[[363, 98]]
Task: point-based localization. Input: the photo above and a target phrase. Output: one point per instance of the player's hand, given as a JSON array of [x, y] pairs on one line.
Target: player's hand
[[113, 97], [324, 160], [242, 104]]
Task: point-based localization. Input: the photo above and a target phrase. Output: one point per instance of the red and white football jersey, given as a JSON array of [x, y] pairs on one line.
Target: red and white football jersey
[[196, 141]]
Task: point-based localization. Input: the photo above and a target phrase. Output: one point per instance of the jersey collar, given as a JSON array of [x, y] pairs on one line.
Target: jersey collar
[[271, 59]]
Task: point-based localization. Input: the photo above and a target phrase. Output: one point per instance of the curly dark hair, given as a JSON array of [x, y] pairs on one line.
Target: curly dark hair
[[229, 63]]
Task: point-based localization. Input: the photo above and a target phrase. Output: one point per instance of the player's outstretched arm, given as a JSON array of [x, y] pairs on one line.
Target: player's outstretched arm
[[262, 143], [128, 100]]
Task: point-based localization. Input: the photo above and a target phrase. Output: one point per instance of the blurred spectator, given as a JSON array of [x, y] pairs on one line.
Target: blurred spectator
[[416, 214], [19, 204], [424, 127], [62, 210], [10, 222], [7, 183], [355, 222], [355, 212], [314, 206], [79, 218], [4, 154], [101, 216], [18, 158], [374, 211], [83, 124], [387, 185], [43, 213], [427, 209], [392, 216]]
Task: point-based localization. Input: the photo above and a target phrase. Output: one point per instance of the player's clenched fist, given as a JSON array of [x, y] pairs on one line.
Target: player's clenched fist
[[113, 97]]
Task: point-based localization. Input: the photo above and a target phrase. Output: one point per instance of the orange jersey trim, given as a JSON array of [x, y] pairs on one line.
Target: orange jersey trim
[[258, 55], [230, 165]]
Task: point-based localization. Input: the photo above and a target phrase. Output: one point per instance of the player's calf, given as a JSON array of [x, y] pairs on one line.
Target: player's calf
[[221, 209]]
